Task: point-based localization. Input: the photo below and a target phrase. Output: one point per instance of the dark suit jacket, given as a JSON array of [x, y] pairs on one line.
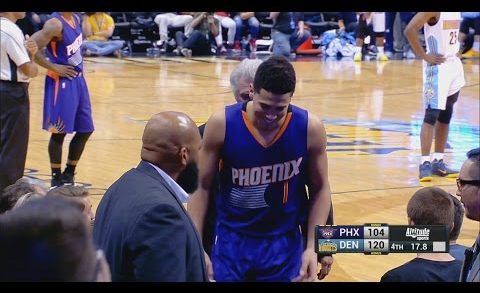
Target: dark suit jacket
[[145, 231]]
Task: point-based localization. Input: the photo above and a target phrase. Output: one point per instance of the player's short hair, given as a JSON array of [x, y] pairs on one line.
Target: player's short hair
[[275, 75]]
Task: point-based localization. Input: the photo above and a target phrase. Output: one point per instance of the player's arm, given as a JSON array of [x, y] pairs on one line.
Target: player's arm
[[318, 185], [52, 29], [411, 32], [209, 157], [319, 193]]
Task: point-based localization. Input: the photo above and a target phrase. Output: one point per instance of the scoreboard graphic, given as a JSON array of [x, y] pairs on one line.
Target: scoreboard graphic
[[381, 239]]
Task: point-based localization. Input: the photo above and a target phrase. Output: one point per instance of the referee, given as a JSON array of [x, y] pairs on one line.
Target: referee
[[16, 69]]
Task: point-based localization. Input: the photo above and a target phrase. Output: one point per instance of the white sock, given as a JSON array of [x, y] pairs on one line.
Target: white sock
[[380, 50], [425, 159], [437, 156], [358, 50]]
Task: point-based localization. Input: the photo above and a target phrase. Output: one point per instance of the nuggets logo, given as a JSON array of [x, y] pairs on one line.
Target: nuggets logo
[[327, 246], [327, 232]]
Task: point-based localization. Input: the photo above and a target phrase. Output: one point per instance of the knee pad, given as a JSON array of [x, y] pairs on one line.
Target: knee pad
[[446, 115], [58, 137], [431, 116], [82, 137]]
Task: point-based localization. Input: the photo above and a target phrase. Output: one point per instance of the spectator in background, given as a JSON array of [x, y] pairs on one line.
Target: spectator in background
[[22, 186], [228, 23], [377, 21], [48, 240], [79, 194], [470, 20], [405, 18], [97, 28], [205, 29], [30, 24], [241, 20], [347, 21], [288, 32], [457, 250], [167, 20], [428, 206]]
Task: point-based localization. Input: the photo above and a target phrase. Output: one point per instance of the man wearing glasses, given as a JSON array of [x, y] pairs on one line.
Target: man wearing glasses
[[468, 183]]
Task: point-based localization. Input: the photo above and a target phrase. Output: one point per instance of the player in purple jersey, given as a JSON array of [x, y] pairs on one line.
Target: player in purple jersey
[[268, 149], [67, 106]]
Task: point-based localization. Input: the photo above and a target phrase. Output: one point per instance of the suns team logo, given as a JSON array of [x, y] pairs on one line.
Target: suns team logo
[[327, 233]]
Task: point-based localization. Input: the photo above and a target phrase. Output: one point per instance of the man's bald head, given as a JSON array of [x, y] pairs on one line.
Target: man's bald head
[[166, 136]]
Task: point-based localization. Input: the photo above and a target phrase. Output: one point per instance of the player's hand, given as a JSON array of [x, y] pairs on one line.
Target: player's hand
[[326, 262], [434, 59], [309, 267], [65, 71], [209, 265], [31, 46]]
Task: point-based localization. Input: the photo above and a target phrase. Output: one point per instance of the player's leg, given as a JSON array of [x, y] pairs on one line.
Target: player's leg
[[281, 257], [55, 154], [57, 119], [83, 125], [441, 135], [232, 255]]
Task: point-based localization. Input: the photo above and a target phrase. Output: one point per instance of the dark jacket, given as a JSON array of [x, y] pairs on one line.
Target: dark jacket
[[145, 231]]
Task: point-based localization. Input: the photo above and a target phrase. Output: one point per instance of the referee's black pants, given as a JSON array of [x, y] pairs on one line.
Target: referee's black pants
[[14, 128]]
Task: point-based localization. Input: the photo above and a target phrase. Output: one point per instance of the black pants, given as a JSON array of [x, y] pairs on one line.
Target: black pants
[[14, 128]]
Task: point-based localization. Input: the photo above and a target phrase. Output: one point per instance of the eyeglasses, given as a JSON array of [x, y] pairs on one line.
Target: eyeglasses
[[461, 183]]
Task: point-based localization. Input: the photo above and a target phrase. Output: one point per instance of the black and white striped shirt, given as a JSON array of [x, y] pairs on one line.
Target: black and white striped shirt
[[13, 53]]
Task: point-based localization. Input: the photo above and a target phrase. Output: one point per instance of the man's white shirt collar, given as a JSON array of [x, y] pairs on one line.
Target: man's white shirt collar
[[179, 192]]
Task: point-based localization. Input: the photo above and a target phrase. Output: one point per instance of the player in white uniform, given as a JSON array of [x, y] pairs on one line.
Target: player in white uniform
[[442, 79]]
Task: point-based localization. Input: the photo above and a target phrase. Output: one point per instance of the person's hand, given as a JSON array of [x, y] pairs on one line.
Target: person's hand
[[300, 33], [31, 46], [65, 71], [209, 268], [308, 268], [210, 19], [434, 59], [326, 262]]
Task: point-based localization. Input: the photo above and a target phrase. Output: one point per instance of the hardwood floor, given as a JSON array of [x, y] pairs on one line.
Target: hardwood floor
[[372, 113]]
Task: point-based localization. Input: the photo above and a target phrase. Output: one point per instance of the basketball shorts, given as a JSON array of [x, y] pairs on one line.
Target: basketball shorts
[[441, 81], [67, 105], [238, 257]]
